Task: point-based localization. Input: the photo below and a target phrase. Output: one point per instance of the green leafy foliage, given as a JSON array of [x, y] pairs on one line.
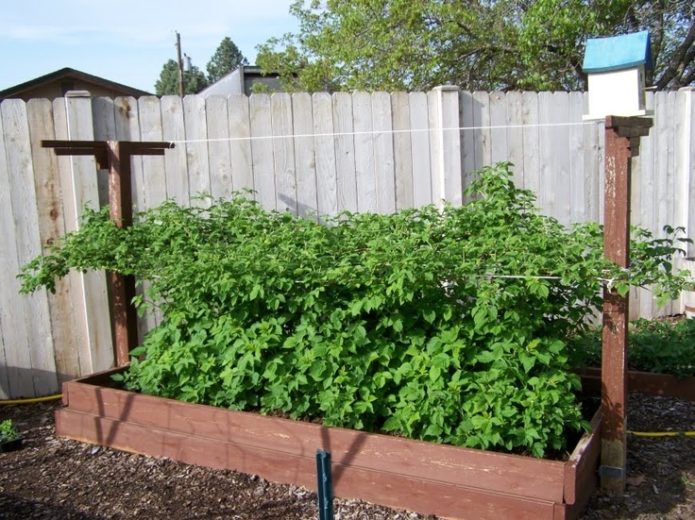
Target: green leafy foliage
[[194, 80], [407, 323], [660, 346], [8, 432], [477, 45]]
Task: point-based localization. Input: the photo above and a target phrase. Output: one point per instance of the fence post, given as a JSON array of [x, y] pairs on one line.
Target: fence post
[[445, 145], [622, 143]]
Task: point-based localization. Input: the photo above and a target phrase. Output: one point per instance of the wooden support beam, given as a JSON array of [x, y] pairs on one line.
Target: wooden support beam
[[115, 156], [622, 141]]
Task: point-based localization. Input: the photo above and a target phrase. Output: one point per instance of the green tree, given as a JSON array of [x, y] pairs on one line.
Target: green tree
[[478, 44], [227, 57], [168, 83]]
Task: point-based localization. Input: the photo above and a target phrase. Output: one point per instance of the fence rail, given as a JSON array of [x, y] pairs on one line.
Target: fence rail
[[312, 154]]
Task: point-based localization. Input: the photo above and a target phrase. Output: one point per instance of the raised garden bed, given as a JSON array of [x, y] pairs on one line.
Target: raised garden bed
[[414, 475], [644, 382]]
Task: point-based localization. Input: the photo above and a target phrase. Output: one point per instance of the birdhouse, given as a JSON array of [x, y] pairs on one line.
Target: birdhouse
[[615, 67]]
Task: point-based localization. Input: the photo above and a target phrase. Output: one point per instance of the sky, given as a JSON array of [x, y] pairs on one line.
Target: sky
[[128, 41]]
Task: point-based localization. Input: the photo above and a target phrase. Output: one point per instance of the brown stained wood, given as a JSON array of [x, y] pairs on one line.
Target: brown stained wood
[[376, 485], [644, 382], [580, 478], [621, 144], [511, 474]]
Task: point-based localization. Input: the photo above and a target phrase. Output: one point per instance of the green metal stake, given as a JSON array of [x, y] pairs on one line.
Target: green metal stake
[[325, 484]]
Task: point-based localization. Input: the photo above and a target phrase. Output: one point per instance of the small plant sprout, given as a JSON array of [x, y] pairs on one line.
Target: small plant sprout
[[8, 432]]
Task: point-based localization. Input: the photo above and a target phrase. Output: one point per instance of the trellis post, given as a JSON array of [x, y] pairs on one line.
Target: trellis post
[[114, 156], [622, 144]]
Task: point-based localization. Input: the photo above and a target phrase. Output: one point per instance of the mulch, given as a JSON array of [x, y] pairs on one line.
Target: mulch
[[54, 478]]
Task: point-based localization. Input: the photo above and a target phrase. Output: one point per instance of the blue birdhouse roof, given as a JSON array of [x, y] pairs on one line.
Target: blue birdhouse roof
[[618, 52]]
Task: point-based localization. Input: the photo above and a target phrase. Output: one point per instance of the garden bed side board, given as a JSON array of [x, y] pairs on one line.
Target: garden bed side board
[[419, 476], [644, 382]]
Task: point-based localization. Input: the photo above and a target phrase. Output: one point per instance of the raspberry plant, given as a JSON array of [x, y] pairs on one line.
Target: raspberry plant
[[405, 323]]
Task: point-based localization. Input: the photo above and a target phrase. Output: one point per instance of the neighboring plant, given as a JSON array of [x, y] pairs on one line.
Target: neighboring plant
[[477, 45], [227, 58], [409, 323], [661, 346], [194, 80], [8, 432]]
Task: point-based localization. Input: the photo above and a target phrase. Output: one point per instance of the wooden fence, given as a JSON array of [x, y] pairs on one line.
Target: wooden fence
[[310, 154]]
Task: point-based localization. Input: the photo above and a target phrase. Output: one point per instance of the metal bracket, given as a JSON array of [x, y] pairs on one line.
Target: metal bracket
[[611, 472]]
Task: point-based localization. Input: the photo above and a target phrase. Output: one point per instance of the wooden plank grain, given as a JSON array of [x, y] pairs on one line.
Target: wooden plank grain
[[16, 370], [325, 154], [420, 143], [175, 164], [402, 150], [218, 147], [523, 476], [283, 152], [384, 487], [262, 150], [195, 122], [34, 307], [95, 305], [51, 227], [345, 151], [384, 161], [240, 144], [364, 152], [153, 172], [304, 155]]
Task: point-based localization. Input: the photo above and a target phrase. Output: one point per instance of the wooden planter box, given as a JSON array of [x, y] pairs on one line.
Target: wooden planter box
[[418, 476], [644, 382]]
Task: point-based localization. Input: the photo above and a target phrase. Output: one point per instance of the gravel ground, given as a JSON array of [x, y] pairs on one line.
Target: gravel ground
[[53, 478]]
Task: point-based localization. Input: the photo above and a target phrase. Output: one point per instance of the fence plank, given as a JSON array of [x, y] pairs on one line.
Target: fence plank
[[13, 312], [104, 129], [467, 134], [304, 155], [74, 280], [420, 142], [325, 150], [364, 152], [29, 245], [498, 134], [154, 186], [197, 148], [531, 134], [218, 147], [95, 304], [283, 152], [51, 227], [384, 167], [345, 151], [434, 123], [515, 135], [403, 156], [451, 145], [481, 133], [262, 150], [240, 146], [175, 163], [128, 129]]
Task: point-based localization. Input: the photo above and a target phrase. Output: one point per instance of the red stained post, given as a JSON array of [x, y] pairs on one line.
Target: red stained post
[[122, 287], [622, 143], [115, 156]]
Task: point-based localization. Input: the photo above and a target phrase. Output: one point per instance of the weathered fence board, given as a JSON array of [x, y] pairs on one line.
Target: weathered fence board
[[314, 154]]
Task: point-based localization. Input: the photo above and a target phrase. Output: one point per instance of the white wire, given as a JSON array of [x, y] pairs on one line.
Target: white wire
[[373, 132]]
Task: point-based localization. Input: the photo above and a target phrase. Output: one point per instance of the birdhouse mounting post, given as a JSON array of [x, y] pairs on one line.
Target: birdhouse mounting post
[[622, 144], [114, 156]]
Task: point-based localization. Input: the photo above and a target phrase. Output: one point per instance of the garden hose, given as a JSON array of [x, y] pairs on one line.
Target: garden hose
[[662, 434], [31, 400]]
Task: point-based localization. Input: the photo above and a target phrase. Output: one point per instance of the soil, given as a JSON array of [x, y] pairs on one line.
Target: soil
[[54, 478]]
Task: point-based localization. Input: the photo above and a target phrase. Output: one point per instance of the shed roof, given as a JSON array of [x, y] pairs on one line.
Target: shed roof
[[67, 72], [617, 52]]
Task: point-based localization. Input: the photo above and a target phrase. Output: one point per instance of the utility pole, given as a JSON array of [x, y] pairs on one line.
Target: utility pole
[[180, 62]]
